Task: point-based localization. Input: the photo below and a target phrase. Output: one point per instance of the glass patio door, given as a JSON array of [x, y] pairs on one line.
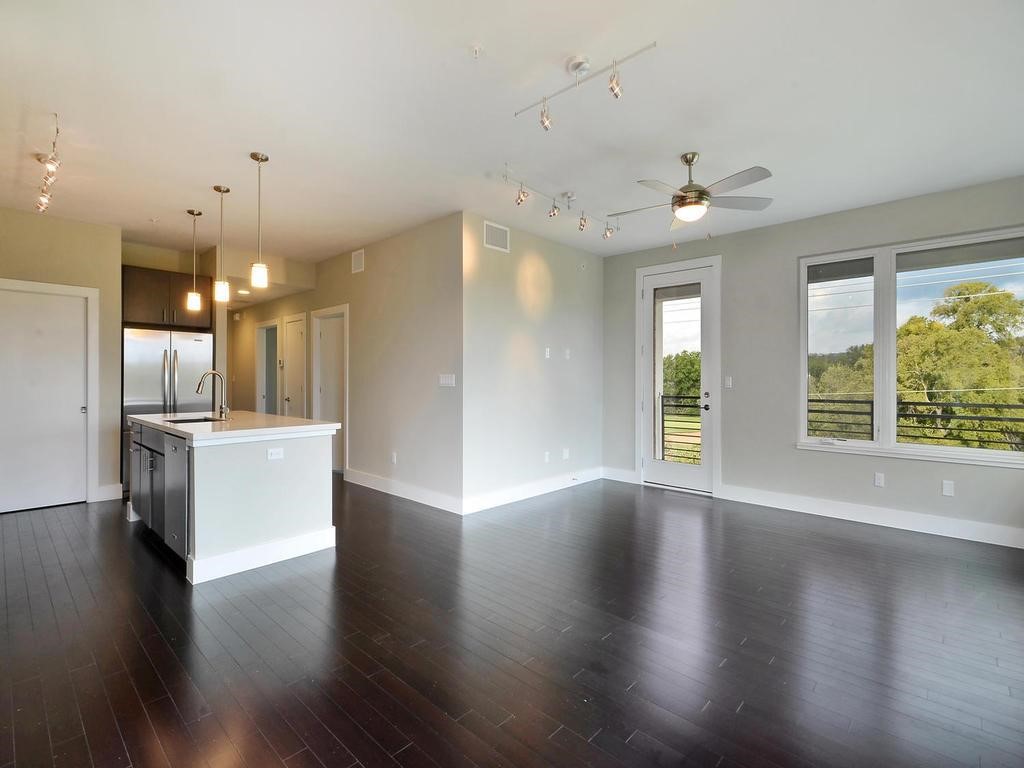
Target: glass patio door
[[677, 406]]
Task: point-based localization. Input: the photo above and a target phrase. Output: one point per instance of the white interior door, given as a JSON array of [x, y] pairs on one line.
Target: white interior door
[[43, 396], [331, 356], [679, 377], [295, 367]]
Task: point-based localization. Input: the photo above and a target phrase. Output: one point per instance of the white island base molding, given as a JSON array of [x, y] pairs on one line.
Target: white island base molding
[[216, 566]]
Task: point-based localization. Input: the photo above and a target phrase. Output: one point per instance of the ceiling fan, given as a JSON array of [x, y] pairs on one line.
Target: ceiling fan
[[691, 202]]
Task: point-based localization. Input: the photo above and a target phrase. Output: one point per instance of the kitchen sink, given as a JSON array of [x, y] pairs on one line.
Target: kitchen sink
[[193, 420]]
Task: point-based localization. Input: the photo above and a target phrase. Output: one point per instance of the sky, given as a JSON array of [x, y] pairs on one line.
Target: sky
[[681, 326]]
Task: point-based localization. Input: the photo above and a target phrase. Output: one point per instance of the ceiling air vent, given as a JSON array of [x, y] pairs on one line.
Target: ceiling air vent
[[496, 236], [358, 260]]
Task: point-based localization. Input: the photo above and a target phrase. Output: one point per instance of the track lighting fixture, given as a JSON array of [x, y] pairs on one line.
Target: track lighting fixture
[[221, 287], [579, 67], [608, 233], [583, 221], [554, 209], [522, 195], [614, 86], [545, 116], [193, 301], [259, 276], [51, 162]]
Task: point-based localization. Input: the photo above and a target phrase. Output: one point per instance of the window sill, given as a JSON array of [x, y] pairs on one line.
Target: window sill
[[921, 453]]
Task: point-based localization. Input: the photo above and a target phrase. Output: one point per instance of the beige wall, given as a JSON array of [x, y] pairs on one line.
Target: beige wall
[[48, 249], [517, 404], [154, 257], [405, 328], [760, 350]]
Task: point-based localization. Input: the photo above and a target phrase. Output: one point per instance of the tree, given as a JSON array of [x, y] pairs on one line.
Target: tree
[[984, 306], [681, 373]]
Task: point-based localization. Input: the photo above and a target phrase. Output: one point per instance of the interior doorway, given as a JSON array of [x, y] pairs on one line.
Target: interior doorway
[[268, 366], [293, 370], [678, 372], [330, 375]]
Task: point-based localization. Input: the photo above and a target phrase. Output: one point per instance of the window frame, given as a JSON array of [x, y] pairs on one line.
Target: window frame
[[885, 442]]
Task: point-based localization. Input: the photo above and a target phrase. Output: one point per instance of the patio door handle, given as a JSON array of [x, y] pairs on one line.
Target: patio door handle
[[706, 407]]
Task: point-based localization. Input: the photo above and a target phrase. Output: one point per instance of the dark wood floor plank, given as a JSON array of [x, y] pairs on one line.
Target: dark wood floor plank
[[105, 743]]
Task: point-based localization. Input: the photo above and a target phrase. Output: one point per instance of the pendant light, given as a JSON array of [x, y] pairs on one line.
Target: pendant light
[[194, 302], [259, 276], [221, 287]]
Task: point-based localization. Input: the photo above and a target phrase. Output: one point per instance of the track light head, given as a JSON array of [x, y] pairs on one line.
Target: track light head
[[545, 116], [522, 195], [583, 221], [608, 232], [614, 85], [554, 210]]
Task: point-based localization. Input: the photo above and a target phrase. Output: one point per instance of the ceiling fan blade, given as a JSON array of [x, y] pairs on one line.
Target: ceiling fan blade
[[637, 210], [741, 203], [659, 186], [737, 180]]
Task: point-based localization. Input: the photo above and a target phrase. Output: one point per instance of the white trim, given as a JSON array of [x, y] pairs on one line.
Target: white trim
[[715, 263], [298, 316], [405, 490], [342, 311], [94, 491], [621, 475], [491, 499], [982, 457], [261, 365], [971, 530], [208, 568]]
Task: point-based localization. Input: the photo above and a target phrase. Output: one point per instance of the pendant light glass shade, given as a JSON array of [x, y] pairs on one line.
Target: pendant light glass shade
[[221, 291], [193, 301], [259, 275]]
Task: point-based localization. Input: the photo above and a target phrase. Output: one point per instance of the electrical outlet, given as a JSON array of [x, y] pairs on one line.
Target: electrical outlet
[[547, 353], [273, 454], [948, 488], [394, 457], [879, 480], [728, 382], [565, 454], [547, 457]]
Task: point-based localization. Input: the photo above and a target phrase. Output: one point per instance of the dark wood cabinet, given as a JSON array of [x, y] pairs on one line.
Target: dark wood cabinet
[[156, 297]]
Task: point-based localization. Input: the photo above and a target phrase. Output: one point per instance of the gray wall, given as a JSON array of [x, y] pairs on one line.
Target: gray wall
[[517, 404], [405, 328], [760, 350]]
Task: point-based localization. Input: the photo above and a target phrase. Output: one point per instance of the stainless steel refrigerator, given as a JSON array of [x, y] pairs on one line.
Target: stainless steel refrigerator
[[160, 372]]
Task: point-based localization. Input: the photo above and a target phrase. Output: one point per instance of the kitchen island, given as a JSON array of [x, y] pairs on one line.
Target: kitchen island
[[232, 494]]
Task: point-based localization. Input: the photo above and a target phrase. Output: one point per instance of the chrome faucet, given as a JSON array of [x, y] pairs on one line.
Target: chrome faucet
[[223, 410]]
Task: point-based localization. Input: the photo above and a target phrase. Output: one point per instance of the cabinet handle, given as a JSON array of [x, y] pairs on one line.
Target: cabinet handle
[[174, 315], [163, 315]]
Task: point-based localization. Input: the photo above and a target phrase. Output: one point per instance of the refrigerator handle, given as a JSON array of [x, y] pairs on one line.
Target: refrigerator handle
[[164, 374], [174, 389]]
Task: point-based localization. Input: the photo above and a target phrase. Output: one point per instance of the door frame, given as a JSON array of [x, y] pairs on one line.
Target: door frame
[[714, 370], [94, 491], [305, 357], [342, 311], [260, 357]]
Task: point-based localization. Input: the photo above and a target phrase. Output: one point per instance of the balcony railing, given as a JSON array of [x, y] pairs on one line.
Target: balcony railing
[[680, 428], [997, 426]]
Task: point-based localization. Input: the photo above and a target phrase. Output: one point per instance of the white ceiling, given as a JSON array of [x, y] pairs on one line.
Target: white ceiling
[[376, 115]]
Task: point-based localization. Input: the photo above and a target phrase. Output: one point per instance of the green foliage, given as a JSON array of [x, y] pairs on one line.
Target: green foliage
[[682, 373], [968, 355]]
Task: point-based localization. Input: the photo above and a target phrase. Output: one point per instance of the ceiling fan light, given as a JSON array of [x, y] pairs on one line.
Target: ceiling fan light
[[259, 276], [193, 302], [221, 291], [692, 211]]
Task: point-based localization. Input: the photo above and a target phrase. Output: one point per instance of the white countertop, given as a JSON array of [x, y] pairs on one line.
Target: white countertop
[[241, 426]]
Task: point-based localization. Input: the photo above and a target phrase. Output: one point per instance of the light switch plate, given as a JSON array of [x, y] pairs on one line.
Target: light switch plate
[[879, 480], [547, 353], [273, 454], [728, 382], [446, 379]]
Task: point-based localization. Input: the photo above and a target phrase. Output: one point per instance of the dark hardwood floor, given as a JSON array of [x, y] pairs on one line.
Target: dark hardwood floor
[[606, 625]]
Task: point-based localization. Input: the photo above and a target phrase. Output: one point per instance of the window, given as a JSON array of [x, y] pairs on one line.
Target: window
[[917, 350]]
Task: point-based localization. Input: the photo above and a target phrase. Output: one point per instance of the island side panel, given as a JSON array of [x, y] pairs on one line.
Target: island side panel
[[245, 502]]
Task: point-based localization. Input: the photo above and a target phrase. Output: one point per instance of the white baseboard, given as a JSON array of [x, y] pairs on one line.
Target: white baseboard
[[958, 528], [622, 475], [107, 492], [502, 496], [405, 490], [215, 567]]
